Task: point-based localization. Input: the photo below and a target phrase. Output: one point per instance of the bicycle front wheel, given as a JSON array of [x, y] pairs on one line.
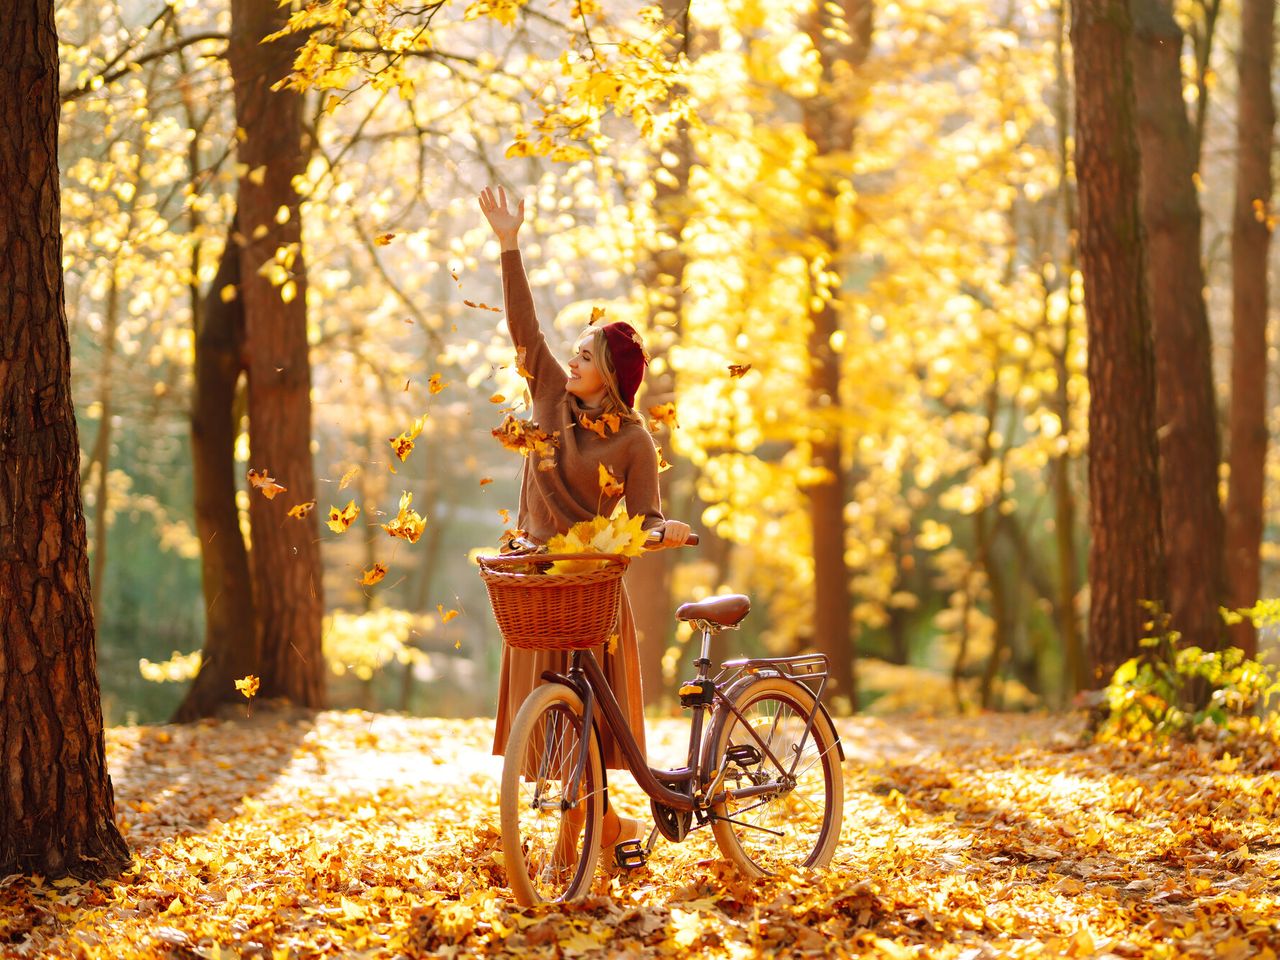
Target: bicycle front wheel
[[782, 793], [550, 830]]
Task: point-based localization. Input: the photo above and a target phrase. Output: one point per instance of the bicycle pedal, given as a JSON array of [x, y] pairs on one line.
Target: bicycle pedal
[[630, 855]]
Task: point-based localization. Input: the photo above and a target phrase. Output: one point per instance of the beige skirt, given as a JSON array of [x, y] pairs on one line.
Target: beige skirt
[[521, 673]]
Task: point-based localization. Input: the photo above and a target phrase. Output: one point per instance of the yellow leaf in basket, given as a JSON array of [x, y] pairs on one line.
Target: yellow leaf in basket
[[621, 534]]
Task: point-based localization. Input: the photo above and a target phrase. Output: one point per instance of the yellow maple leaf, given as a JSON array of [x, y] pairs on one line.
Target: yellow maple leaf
[[403, 443], [268, 485], [445, 615], [340, 520], [610, 485], [619, 534], [408, 524], [436, 383], [302, 510], [374, 574], [248, 686], [664, 413]]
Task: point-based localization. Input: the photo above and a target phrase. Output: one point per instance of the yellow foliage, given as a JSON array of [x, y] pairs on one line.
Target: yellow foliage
[[619, 534]]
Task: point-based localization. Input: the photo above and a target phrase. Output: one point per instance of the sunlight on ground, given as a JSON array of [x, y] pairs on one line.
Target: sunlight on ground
[[337, 834]]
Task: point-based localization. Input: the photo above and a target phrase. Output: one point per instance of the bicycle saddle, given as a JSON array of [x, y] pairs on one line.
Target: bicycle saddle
[[727, 611]]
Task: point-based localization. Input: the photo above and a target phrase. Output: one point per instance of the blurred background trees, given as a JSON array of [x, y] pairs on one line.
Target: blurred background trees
[[855, 234]]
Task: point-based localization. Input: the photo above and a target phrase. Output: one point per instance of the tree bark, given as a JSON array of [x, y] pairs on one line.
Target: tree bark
[[1075, 656], [830, 121], [1186, 408], [285, 555], [230, 640], [1250, 242], [57, 809], [1126, 562]]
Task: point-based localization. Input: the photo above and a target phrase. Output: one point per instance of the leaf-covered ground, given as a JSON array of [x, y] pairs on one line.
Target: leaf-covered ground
[[353, 834]]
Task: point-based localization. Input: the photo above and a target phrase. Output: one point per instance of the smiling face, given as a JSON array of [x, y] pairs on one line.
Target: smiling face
[[585, 379]]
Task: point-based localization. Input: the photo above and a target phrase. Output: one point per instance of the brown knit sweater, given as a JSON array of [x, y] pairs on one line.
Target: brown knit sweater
[[553, 500]]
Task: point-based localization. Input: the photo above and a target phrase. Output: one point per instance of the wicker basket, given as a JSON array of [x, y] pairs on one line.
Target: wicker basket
[[554, 611]]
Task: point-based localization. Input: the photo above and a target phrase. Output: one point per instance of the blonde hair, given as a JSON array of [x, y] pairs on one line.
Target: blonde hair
[[613, 402]]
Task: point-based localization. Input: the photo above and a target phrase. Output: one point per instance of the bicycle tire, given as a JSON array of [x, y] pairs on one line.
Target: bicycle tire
[[541, 867], [799, 827]]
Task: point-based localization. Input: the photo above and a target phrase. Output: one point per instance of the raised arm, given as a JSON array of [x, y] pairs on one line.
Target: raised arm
[[522, 320]]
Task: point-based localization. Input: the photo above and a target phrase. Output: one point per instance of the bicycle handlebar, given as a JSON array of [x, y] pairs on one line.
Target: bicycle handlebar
[[654, 539]]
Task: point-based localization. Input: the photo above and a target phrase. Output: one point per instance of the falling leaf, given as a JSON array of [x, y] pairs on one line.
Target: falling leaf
[[663, 466], [268, 485], [445, 615], [597, 314], [482, 306], [408, 524], [497, 398], [403, 443], [601, 426], [610, 485], [505, 514], [302, 510], [248, 686], [611, 645], [383, 239], [374, 574], [738, 369], [436, 383], [521, 353], [340, 520], [526, 437], [347, 477], [665, 413], [485, 481]]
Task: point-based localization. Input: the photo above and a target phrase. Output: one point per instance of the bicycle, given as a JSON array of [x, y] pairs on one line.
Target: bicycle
[[765, 776]]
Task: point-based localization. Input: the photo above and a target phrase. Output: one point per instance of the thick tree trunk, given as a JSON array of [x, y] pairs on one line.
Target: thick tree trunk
[[230, 640], [285, 555], [829, 121], [1126, 562], [1186, 409], [57, 813], [1250, 241]]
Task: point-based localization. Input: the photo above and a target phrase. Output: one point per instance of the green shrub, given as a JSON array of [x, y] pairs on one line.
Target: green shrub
[[1176, 691]]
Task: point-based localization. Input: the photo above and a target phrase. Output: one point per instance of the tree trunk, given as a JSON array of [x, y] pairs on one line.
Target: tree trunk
[[829, 122], [1186, 409], [1126, 562], [1075, 657], [285, 555], [230, 640], [650, 575], [57, 809], [1250, 241]]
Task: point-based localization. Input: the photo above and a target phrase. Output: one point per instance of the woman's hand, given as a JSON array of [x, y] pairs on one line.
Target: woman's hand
[[506, 223], [674, 533]]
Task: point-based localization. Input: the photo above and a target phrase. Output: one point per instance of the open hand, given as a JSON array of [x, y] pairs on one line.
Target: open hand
[[504, 222]]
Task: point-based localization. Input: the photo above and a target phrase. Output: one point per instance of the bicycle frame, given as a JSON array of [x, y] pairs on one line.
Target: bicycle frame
[[587, 679]]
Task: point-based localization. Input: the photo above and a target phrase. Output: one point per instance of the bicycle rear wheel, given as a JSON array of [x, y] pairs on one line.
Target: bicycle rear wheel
[[550, 847], [795, 821]]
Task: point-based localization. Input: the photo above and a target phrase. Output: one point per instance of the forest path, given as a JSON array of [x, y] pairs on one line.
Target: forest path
[[288, 834]]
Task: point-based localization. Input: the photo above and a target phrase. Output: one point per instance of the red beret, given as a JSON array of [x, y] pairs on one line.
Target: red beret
[[626, 349]]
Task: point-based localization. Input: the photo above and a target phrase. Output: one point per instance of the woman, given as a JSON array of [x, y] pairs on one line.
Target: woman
[[556, 492]]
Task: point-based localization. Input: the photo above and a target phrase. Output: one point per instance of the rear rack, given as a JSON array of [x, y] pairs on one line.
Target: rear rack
[[809, 666]]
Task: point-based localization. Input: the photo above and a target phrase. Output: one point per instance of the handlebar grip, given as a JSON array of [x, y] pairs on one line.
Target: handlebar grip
[[655, 540]]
